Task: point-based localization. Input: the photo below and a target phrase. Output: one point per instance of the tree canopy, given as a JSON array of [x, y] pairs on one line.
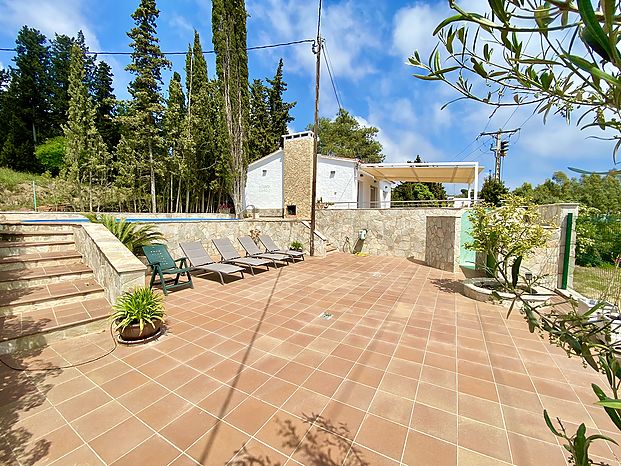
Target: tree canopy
[[346, 137]]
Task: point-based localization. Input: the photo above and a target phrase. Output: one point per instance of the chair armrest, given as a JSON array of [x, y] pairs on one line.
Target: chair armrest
[[182, 261]]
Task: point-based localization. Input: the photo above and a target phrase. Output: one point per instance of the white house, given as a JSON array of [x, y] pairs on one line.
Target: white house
[[281, 183], [278, 182]]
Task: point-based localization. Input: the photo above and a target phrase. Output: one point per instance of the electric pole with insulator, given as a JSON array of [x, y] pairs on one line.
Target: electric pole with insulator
[[501, 150]]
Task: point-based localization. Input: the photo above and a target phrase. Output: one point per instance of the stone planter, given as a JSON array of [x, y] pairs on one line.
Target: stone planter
[[131, 334], [475, 288]]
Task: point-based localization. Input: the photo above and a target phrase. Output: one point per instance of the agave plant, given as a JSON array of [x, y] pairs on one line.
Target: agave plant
[[133, 236], [141, 306]]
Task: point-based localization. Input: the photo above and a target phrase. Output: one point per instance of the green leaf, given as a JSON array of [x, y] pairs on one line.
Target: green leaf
[[478, 67], [498, 8], [592, 26], [549, 423], [610, 403], [592, 68], [542, 16]]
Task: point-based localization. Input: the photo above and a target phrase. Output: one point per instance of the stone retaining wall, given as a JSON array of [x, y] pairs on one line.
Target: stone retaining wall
[[390, 232], [442, 248], [116, 269], [282, 231]]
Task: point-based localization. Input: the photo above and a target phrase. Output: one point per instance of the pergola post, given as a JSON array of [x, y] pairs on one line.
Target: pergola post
[[476, 181]]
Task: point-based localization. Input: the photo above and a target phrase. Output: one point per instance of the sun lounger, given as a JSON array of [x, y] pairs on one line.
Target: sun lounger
[[201, 261], [270, 246], [229, 254], [162, 264], [252, 250]]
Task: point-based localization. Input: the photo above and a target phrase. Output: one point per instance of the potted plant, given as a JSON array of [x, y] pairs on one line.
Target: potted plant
[[138, 315], [296, 246]]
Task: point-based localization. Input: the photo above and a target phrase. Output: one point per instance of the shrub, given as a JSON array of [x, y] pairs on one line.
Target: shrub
[[133, 236], [506, 233], [141, 306], [51, 154], [296, 246]]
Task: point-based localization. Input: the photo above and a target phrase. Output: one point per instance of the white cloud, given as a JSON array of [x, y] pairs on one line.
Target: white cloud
[[181, 26], [345, 27], [413, 29], [49, 16]]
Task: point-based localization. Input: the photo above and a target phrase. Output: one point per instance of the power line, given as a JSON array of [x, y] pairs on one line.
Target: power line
[[329, 66], [206, 52]]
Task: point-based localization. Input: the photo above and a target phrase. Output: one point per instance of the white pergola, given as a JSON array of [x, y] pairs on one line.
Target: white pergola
[[428, 172]]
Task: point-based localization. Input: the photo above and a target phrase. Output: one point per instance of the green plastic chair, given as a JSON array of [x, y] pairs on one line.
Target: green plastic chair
[[162, 263]]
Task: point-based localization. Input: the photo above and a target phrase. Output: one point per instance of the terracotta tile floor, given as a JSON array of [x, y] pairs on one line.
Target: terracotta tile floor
[[406, 372]]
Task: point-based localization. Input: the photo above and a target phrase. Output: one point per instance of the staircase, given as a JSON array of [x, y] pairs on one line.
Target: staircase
[[46, 291]]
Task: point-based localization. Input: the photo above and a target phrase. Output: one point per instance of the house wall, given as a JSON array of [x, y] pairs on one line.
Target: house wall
[[336, 182], [264, 185]]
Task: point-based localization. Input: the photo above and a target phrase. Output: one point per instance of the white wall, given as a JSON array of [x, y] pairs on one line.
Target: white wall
[[264, 184], [336, 182], [385, 194]]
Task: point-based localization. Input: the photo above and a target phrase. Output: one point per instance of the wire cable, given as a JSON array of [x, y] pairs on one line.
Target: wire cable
[[329, 67], [205, 52]]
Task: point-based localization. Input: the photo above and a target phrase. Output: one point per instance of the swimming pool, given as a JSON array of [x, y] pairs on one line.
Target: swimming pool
[[136, 220]]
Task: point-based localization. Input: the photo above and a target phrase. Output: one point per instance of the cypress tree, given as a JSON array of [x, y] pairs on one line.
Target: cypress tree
[[229, 40], [60, 58], [145, 112], [173, 123], [278, 108], [86, 155]]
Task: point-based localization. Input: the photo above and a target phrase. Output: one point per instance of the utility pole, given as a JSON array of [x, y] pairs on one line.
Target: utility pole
[[317, 52], [501, 148]]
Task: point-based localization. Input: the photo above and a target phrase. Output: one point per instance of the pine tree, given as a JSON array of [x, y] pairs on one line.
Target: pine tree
[[229, 40], [278, 108], [173, 123], [261, 136], [27, 101], [145, 112], [86, 155], [105, 101]]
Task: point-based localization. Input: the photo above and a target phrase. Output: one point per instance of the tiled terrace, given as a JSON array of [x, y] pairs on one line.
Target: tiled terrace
[[406, 372]]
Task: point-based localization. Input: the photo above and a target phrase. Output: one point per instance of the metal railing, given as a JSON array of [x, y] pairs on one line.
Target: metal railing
[[421, 203]]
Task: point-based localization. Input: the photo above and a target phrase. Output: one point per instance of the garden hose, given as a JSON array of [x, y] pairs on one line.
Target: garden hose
[[69, 366]]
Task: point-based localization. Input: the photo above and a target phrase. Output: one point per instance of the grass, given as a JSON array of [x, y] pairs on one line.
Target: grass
[[599, 283], [10, 179]]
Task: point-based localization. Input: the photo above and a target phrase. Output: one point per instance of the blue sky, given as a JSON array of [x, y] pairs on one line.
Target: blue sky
[[368, 43]]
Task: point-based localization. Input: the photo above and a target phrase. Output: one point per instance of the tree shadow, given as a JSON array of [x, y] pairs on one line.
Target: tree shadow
[[325, 444], [22, 394], [448, 285]]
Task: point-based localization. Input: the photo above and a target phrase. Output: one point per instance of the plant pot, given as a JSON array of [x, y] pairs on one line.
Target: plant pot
[[480, 289], [131, 333]]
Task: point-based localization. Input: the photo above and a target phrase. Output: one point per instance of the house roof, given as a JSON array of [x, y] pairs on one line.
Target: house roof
[[432, 172]]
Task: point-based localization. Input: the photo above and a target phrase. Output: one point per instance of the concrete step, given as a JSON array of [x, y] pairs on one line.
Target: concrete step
[[35, 236], [43, 297], [15, 248], [42, 259], [35, 328], [28, 227], [26, 278]]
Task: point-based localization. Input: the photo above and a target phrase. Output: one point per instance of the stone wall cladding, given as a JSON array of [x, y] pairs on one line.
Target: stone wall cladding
[[548, 261], [442, 245], [390, 232], [298, 173], [282, 231], [115, 268]]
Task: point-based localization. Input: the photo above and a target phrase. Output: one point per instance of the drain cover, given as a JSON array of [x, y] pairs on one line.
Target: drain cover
[[326, 316]]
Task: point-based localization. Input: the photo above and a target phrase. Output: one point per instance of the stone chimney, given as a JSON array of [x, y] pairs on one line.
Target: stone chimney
[[298, 174]]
